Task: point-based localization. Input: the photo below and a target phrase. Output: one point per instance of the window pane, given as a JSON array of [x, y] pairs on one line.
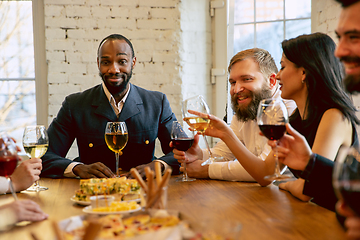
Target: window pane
[[17, 83], [244, 11], [297, 9], [297, 27], [243, 37], [269, 10], [269, 37]]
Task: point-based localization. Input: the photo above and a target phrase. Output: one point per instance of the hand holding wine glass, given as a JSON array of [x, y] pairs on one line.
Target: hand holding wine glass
[[35, 143], [197, 123], [182, 142], [271, 117], [8, 160], [116, 138]]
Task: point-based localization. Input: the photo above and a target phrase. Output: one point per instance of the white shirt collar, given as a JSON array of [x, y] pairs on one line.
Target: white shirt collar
[[117, 107]]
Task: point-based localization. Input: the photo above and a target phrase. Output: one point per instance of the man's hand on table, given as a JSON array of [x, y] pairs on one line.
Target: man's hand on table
[[195, 170], [95, 170]]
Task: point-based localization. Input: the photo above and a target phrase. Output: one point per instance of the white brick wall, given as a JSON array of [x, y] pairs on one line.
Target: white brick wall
[[171, 39]]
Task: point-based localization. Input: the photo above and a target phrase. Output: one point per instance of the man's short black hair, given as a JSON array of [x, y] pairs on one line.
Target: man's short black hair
[[346, 3], [119, 37]]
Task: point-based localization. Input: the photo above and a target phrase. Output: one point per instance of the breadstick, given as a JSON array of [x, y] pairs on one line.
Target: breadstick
[[158, 172], [159, 190], [137, 176], [92, 230], [58, 233]]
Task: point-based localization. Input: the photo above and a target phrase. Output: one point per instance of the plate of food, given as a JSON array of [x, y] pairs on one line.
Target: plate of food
[[126, 198], [114, 208], [123, 189], [140, 225], [83, 203]]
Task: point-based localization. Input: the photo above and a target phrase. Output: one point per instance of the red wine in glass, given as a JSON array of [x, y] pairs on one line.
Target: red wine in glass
[[8, 165], [271, 117], [182, 144], [8, 160], [350, 192], [182, 141], [273, 132]]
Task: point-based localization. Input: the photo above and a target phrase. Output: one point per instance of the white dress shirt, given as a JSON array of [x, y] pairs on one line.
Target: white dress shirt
[[248, 134], [4, 185]]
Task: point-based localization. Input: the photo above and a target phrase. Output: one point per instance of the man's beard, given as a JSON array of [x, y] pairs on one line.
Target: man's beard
[[351, 82], [249, 112], [114, 90]]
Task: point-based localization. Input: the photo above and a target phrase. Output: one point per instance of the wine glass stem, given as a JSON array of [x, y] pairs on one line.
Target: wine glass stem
[[117, 164], [207, 146], [12, 189], [185, 176], [277, 166]]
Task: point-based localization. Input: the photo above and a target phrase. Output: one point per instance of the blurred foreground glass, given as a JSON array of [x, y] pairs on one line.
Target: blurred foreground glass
[[35, 143], [116, 138], [8, 160], [346, 177]]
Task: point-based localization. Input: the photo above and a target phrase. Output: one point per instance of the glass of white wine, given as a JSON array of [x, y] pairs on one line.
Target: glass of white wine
[[197, 123], [116, 138], [35, 142]]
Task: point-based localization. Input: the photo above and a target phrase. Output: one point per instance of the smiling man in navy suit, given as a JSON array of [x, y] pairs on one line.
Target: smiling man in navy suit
[[83, 116]]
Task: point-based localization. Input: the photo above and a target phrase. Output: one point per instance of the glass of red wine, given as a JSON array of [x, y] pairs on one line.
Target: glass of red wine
[[272, 116], [182, 141], [8, 160], [346, 177]]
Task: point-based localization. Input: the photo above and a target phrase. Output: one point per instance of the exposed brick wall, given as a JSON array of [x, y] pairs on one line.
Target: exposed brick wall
[[171, 40]]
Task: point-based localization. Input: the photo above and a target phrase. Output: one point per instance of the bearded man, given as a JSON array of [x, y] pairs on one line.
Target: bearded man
[[83, 116], [252, 78]]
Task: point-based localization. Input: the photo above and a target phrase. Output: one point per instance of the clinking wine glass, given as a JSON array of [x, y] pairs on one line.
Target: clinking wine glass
[[197, 123], [182, 142], [116, 138], [346, 177], [8, 160], [35, 143], [272, 116]]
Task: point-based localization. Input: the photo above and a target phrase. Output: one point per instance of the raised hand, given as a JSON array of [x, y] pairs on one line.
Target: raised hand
[[192, 154], [26, 174]]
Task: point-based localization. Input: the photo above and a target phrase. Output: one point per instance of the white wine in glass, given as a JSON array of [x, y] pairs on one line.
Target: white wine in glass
[[197, 123], [116, 138], [35, 143]]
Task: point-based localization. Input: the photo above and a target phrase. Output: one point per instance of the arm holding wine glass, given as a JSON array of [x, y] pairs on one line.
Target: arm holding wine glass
[[255, 166], [295, 152]]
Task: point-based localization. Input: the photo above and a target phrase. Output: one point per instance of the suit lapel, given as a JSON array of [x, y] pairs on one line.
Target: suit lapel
[[131, 106], [102, 105]]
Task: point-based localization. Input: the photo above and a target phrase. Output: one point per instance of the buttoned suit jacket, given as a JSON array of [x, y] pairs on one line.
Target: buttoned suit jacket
[[83, 116]]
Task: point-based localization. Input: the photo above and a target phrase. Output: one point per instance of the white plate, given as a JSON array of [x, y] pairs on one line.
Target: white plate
[[84, 203], [87, 203], [88, 209]]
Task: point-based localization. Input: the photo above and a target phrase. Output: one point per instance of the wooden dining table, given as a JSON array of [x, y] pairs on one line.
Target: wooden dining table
[[263, 212]]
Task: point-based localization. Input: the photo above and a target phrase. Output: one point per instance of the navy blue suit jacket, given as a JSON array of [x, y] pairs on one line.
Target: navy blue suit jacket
[[83, 116]]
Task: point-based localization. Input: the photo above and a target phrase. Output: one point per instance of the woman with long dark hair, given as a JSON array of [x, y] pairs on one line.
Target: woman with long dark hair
[[311, 75]]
